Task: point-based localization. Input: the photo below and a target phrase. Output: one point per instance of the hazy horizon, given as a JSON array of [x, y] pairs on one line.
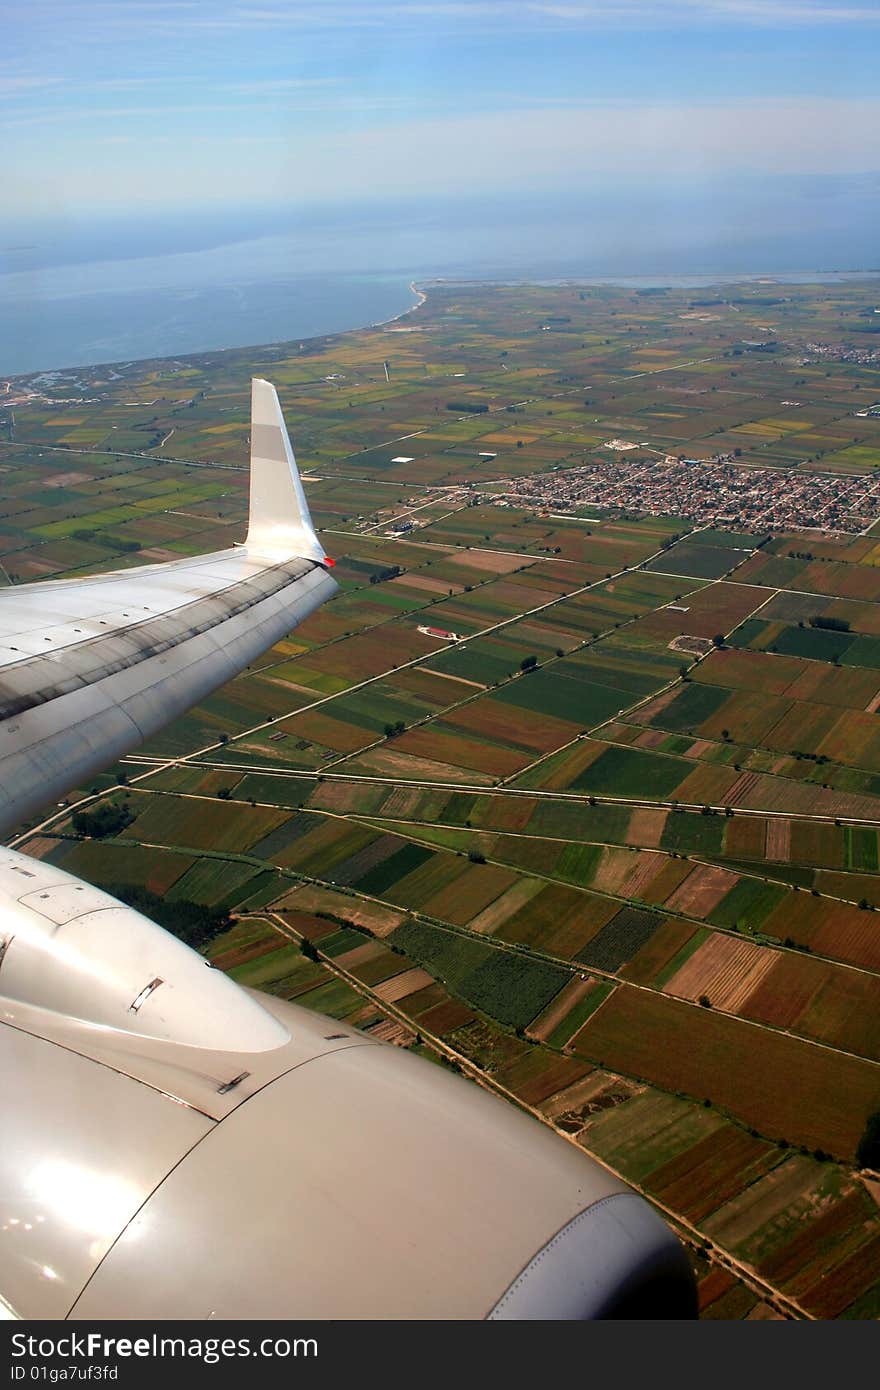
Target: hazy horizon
[[218, 148], [128, 288]]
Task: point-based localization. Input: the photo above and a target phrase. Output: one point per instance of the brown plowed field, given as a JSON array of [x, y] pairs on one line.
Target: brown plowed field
[[744, 837], [359, 658], [535, 1079], [747, 716], [319, 727], [648, 738], [624, 872], [803, 798], [745, 670], [337, 796], [723, 969], [717, 608], [848, 687], [391, 762], [707, 783], [474, 890], [559, 1008], [778, 1084], [421, 583], [311, 927], [404, 802], [431, 685], [672, 873], [815, 844], [567, 937], [802, 729], [666, 942], [840, 580], [654, 707], [854, 740], [493, 561], [702, 890], [836, 1289], [461, 751], [717, 1282], [779, 840], [360, 955], [496, 720], [374, 971], [646, 828], [247, 951], [431, 997], [381, 920], [832, 929], [390, 1031], [504, 906], [39, 846], [399, 986], [700, 1179], [504, 812], [851, 886], [571, 764], [785, 991], [746, 783], [445, 1018]]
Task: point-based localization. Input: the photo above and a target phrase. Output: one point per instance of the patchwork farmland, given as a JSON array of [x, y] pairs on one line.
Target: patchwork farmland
[[576, 792]]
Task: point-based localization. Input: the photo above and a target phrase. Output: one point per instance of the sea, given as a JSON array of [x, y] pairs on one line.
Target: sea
[[111, 289]]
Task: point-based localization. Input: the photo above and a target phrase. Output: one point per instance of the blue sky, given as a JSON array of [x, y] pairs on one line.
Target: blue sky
[[192, 103]]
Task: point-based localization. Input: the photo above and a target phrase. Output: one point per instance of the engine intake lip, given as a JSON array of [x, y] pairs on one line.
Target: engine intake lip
[[615, 1259]]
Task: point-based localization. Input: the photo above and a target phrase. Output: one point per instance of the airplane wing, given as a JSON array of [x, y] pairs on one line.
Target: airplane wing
[[177, 1147], [90, 668]]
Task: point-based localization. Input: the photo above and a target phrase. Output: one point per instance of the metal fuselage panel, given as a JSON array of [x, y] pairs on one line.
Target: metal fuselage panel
[[79, 690], [365, 1183], [83, 1147], [121, 1199], [348, 1180]]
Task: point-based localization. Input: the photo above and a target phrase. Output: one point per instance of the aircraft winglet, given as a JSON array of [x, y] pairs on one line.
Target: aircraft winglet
[[279, 523]]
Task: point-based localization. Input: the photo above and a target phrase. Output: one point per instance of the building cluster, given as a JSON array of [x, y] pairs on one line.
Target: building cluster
[[840, 352], [709, 492]]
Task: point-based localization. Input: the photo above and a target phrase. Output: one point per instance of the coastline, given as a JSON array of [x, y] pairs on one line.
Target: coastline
[[421, 298], [124, 360], [418, 290]]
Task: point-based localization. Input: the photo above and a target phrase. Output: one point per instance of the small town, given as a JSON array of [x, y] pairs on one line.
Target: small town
[[708, 492]]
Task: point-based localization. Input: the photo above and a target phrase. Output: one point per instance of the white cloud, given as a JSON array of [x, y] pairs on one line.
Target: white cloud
[[662, 13], [17, 86], [193, 110], [176, 16]]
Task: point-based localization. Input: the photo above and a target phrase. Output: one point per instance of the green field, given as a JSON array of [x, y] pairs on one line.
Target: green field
[[507, 988], [631, 772]]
